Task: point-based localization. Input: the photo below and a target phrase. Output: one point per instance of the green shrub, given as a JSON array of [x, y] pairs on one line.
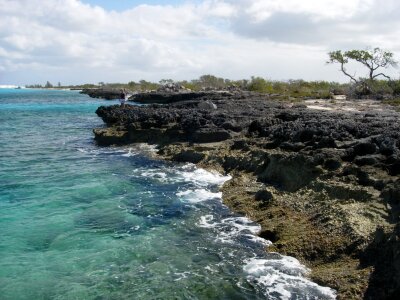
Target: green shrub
[[258, 84], [395, 86], [393, 102]]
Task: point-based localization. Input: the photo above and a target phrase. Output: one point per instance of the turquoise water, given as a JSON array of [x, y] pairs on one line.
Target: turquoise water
[[78, 221]]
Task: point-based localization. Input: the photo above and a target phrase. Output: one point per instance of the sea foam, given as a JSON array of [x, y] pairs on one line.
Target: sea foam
[[283, 277], [188, 173], [198, 195], [276, 276]]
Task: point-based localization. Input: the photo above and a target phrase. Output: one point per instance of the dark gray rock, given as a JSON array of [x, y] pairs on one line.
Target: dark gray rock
[[166, 97], [190, 156], [346, 153], [240, 145], [369, 160], [103, 93], [207, 105], [364, 148], [263, 196], [332, 164], [210, 135]]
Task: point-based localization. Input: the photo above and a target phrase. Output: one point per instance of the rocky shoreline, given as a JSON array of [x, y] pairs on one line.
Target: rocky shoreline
[[324, 185]]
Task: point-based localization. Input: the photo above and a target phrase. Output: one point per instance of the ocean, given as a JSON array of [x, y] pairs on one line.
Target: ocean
[[79, 221]]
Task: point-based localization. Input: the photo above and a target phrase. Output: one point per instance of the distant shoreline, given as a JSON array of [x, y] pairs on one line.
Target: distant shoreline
[[11, 87]]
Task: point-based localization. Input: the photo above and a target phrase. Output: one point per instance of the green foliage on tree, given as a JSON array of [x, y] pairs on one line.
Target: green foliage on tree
[[283, 90], [48, 85], [34, 86], [133, 86], [147, 85], [166, 81], [211, 81], [87, 86], [258, 84], [374, 60], [189, 85]]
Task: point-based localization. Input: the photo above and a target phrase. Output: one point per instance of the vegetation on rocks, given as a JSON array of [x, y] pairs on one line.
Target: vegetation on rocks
[[374, 60], [290, 90]]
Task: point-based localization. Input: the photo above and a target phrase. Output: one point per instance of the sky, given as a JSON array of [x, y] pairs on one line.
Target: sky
[[121, 5], [91, 41]]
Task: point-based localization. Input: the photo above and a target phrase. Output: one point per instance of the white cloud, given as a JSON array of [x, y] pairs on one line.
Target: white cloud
[[328, 22], [70, 41], [262, 9]]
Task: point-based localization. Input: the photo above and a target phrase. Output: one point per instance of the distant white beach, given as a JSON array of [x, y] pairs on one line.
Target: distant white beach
[[10, 86]]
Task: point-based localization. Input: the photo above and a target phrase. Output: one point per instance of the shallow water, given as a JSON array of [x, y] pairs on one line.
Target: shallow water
[[78, 221]]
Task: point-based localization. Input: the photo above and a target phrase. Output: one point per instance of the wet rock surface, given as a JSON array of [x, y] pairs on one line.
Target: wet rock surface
[[324, 185]]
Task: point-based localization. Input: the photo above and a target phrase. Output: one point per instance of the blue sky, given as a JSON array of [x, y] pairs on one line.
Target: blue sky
[[120, 5]]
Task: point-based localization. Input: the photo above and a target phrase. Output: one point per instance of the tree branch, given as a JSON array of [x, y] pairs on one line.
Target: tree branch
[[381, 74], [347, 74]]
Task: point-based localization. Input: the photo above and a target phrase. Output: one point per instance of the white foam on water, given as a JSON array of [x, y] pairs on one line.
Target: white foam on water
[[146, 147], [282, 277], [201, 177], [130, 153], [278, 277], [228, 230], [285, 264], [233, 228], [187, 173], [111, 151], [243, 224], [161, 176], [198, 195], [206, 221], [258, 240], [119, 151]]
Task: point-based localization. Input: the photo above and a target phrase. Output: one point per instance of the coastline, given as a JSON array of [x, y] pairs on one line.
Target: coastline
[[89, 214], [244, 224], [334, 226], [290, 230]]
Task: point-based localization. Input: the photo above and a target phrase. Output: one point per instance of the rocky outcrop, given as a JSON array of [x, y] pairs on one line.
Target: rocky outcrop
[[169, 93], [172, 96], [323, 185], [102, 93], [165, 97], [172, 88]]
